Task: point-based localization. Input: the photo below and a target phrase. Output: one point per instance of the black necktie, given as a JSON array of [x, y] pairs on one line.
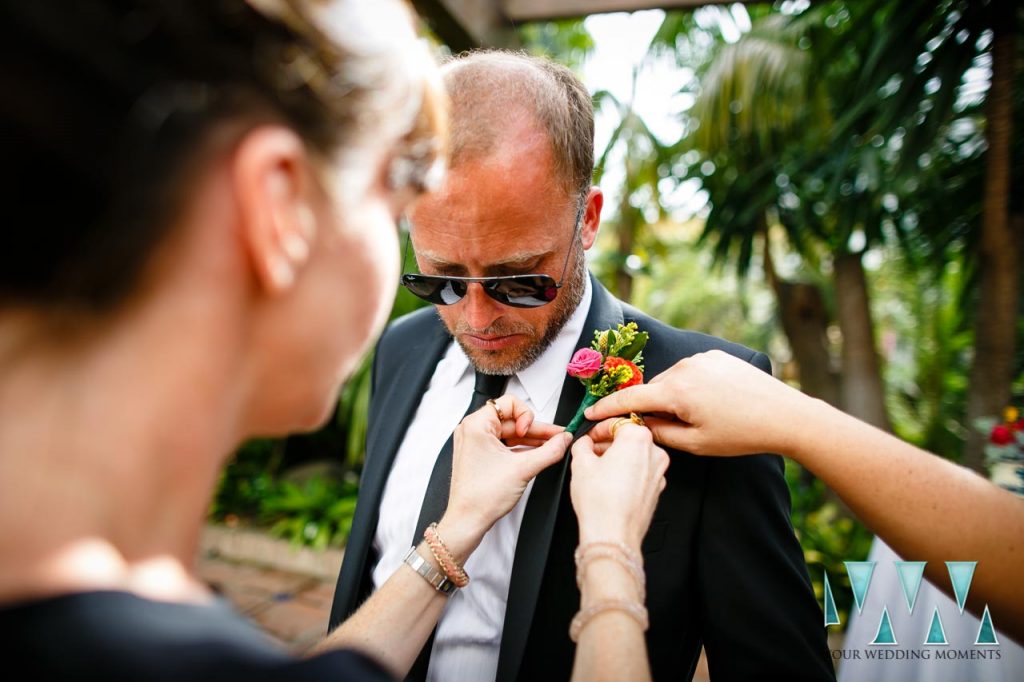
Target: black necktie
[[435, 502]]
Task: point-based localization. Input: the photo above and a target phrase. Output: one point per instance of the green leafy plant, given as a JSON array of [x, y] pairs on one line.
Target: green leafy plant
[[317, 513], [827, 536]]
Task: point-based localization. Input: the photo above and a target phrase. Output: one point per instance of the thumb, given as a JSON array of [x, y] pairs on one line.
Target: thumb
[[540, 458]]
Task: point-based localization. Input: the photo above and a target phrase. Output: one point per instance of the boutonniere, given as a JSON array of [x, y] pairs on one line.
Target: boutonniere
[[612, 362]]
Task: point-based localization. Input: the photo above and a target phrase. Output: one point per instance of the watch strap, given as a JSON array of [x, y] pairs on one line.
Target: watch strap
[[438, 580]]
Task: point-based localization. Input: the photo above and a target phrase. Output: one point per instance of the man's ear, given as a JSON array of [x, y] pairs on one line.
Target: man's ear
[[592, 217], [273, 185]]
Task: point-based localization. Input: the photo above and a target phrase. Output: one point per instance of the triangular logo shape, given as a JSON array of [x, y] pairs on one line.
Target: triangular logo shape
[[910, 573], [960, 574], [936, 633], [831, 614], [986, 632], [860, 579], [885, 636]]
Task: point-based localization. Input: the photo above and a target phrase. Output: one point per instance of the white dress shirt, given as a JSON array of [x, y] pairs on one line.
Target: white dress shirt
[[468, 636]]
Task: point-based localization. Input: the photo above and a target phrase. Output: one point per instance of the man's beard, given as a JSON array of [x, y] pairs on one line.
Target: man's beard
[[565, 305]]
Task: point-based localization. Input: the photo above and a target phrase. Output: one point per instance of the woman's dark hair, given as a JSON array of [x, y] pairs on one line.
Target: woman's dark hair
[[105, 102]]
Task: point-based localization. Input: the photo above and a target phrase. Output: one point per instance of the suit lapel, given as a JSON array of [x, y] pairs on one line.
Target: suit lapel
[[542, 507], [395, 405], [398, 405]]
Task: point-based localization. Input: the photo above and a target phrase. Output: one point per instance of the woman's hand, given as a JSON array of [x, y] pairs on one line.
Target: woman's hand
[[488, 475], [614, 494], [709, 404]]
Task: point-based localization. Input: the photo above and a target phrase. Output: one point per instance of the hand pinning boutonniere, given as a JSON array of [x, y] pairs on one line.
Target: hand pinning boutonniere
[[612, 362]]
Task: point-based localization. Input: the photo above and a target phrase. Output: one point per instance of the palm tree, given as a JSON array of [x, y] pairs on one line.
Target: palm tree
[[760, 110], [995, 329], [644, 159], [829, 123]]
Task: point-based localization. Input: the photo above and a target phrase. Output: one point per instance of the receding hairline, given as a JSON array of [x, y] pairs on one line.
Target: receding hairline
[[493, 91], [489, 82]]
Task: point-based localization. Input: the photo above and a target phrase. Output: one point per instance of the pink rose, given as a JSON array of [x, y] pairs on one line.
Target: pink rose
[[585, 363]]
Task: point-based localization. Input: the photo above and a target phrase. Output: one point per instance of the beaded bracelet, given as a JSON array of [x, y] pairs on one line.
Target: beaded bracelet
[[584, 616], [456, 573], [586, 554], [598, 553], [621, 546]]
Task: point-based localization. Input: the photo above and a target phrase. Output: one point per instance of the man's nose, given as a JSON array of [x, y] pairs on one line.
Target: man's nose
[[480, 310]]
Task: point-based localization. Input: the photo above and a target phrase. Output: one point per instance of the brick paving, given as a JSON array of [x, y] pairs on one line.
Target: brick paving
[[279, 588], [284, 591]]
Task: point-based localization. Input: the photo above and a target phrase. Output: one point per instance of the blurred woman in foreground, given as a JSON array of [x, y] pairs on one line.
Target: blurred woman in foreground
[[200, 245]]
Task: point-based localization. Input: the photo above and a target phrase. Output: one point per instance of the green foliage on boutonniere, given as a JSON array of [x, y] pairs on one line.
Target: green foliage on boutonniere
[[612, 362]]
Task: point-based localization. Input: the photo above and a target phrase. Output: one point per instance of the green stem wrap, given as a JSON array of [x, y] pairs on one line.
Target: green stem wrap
[[578, 419]]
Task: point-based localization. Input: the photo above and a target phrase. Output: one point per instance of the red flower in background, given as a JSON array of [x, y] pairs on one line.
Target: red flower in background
[[1001, 435]]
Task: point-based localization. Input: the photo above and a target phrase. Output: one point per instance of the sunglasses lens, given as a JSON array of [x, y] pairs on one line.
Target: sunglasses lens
[[437, 290], [528, 291]]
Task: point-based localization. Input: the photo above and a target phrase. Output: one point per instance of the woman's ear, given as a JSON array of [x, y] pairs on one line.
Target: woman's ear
[[273, 184]]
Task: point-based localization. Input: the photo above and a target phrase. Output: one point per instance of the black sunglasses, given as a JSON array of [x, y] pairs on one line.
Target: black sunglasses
[[517, 291]]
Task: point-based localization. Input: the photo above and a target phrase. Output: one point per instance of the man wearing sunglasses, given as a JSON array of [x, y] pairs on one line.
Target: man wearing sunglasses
[[499, 250]]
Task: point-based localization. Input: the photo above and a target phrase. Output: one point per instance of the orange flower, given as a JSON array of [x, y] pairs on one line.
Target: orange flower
[[625, 372]]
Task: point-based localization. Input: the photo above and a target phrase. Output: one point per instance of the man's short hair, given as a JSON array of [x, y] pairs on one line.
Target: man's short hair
[[490, 88]]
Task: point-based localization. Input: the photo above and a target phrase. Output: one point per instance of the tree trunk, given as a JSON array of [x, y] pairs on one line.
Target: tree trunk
[[805, 323], [862, 392], [995, 324], [626, 234]]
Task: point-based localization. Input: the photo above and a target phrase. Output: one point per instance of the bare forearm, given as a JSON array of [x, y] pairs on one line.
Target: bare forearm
[[926, 508], [395, 622], [611, 646]]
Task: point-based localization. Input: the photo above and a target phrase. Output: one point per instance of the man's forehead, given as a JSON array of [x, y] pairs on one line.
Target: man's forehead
[[518, 259]]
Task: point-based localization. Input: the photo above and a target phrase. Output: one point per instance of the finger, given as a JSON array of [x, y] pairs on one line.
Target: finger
[[515, 410], [603, 431], [528, 442], [540, 458], [512, 407], [543, 430], [634, 437], [602, 447], [583, 447], [510, 430], [641, 398], [672, 433]]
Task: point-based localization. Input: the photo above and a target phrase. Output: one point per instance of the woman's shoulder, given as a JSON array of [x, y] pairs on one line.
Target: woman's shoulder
[[115, 635]]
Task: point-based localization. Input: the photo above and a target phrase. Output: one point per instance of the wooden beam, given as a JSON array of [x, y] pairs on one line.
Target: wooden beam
[[465, 24], [535, 10]]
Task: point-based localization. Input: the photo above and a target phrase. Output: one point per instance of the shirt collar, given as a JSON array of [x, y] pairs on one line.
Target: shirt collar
[[543, 379]]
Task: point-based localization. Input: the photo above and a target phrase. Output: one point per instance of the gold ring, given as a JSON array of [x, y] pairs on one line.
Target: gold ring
[[501, 415], [618, 423], [633, 418]]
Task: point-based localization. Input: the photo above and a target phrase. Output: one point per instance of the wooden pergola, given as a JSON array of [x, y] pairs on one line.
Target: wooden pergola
[[465, 24]]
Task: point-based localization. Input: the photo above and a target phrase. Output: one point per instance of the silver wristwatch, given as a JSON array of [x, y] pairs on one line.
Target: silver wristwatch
[[439, 581]]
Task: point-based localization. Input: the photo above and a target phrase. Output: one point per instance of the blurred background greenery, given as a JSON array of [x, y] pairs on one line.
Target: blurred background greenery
[[856, 177]]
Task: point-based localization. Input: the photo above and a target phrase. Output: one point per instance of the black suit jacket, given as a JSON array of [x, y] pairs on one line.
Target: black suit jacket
[[724, 568]]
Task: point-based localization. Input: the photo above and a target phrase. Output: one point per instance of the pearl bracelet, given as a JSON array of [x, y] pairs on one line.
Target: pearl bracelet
[[617, 551], [584, 616]]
